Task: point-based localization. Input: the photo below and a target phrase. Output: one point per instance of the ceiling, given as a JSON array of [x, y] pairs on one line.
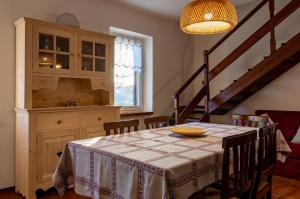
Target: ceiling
[[165, 8]]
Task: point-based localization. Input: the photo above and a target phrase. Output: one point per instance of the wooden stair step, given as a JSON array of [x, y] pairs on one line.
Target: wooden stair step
[[192, 120], [197, 108]]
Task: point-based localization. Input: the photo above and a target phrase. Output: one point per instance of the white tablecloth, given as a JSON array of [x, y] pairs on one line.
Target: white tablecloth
[[150, 164]]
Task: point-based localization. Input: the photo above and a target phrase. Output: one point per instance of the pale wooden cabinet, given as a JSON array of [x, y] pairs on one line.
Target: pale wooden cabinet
[[43, 133], [64, 92]]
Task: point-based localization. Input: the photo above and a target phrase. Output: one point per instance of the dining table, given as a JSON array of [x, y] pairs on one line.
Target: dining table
[[146, 164]]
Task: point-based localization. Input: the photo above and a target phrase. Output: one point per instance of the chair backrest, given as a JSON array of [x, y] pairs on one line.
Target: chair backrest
[[156, 122], [266, 155], [121, 126], [243, 149], [250, 120]]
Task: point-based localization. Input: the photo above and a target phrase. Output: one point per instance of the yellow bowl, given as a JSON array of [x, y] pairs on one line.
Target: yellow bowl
[[188, 131]]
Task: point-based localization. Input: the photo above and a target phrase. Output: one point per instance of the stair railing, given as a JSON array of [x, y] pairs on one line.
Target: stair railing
[[269, 26]]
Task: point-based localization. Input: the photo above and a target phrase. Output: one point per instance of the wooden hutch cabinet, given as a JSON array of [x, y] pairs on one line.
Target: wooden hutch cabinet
[[64, 92]]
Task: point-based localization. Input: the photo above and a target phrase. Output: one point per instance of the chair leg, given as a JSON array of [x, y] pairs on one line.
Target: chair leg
[[269, 195]]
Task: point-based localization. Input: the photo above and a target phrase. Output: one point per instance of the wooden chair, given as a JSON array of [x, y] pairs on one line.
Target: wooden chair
[[239, 183], [156, 122], [250, 120], [121, 127], [265, 162]]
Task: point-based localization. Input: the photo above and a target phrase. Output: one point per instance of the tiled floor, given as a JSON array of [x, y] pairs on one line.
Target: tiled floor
[[283, 188]]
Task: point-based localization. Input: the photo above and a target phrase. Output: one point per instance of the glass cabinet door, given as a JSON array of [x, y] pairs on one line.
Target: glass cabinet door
[[92, 57], [54, 52]]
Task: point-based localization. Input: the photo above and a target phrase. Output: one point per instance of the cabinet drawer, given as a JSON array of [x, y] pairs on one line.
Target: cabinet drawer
[[91, 132], [98, 83], [53, 121], [102, 82], [97, 118], [43, 82]]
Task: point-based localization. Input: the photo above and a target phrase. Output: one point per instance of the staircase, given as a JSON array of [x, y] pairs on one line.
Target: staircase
[[278, 62]]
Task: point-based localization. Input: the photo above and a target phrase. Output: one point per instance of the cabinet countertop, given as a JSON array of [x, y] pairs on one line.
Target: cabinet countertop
[[69, 108]]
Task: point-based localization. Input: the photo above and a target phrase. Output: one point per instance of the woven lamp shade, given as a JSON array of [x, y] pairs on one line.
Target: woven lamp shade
[[208, 17]]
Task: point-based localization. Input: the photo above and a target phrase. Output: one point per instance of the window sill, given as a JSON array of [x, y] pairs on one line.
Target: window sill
[[124, 115]]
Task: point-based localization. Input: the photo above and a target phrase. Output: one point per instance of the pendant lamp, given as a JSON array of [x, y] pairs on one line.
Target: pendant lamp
[[208, 17]]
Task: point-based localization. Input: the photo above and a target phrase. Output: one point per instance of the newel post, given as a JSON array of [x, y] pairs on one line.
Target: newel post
[[272, 26], [206, 84]]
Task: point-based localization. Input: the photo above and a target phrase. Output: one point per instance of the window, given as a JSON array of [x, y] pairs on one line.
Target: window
[[128, 72], [133, 71]]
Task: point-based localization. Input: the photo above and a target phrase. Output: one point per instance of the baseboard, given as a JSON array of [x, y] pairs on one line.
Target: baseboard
[[7, 189]]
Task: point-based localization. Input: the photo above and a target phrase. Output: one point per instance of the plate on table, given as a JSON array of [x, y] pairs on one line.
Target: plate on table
[[188, 131]]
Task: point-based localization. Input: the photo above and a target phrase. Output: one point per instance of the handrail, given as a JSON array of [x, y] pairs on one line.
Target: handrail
[[244, 20], [254, 38], [185, 85]]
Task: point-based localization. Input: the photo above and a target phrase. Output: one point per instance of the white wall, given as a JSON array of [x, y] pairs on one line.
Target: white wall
[[97, 15], [281, 94]]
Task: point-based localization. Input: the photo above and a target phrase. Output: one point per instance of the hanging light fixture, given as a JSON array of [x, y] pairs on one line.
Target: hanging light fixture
[[208, 17]]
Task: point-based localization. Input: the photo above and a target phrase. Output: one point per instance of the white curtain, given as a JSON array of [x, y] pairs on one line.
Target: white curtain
[[128, 63]]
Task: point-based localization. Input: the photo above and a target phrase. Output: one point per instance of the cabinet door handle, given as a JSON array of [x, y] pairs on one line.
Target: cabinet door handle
[[59, 121], [99, 118]]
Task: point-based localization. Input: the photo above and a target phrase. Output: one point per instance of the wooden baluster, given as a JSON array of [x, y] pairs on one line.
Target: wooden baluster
[[176, 106], [206, 72], [272, 32]]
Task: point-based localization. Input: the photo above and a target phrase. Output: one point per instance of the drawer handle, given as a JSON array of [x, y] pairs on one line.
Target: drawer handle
[[59, 121], [59, 154], [99, 118]]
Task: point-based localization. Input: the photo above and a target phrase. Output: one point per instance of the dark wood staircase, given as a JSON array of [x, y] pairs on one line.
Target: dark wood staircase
[[271, 67], [258, 77]]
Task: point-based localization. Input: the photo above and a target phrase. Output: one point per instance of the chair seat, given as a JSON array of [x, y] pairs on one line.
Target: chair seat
[[214, 191], [218, 185]]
